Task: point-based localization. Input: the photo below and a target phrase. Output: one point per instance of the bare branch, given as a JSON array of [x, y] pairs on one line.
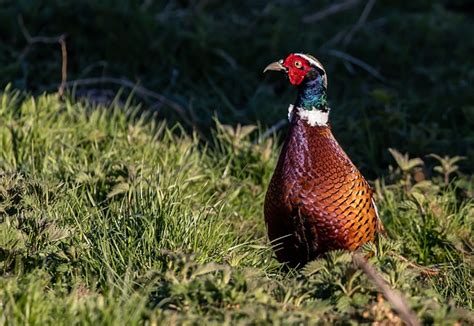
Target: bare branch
[[139, 90], [361, 21], [37, 39], [62, 41], [277, 126], [396, 300], [330, 10], [143, 92], [428, 271], [345, 56], [32, 40]]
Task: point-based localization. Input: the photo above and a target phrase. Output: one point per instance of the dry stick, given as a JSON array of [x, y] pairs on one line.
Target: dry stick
[[397, 301], [32, 40], [61, 87], [361, 21], [61, 39], [277, 126], [348, 35], [428, 271], [37, 39], [345, 56], [330, 10], [139, 90]]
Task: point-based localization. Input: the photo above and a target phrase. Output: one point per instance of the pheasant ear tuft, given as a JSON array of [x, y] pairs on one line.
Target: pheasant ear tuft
[[313, 61], [317, 65]]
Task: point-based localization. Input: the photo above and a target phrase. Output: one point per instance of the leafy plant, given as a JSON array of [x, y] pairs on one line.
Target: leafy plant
[[406, 165], [447, 165]]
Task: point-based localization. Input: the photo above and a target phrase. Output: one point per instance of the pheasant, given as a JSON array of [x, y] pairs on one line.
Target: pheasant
[[317, 199]]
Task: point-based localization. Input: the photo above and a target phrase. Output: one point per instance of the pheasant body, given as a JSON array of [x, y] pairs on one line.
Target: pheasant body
[[317, 200]]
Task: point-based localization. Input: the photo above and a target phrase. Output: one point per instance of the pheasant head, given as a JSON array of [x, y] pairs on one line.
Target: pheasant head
[[308, 75]]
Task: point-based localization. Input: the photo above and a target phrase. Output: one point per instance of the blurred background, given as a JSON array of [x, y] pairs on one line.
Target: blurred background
[[400, 72]]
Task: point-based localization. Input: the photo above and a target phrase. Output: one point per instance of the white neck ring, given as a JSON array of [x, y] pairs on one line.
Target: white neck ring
[[313, 117]]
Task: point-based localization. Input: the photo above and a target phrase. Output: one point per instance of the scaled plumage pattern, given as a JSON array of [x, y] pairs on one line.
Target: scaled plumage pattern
[[317, 199]]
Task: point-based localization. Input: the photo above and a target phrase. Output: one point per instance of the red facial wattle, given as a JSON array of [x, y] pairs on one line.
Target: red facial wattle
[[297, 68], [296, 77]]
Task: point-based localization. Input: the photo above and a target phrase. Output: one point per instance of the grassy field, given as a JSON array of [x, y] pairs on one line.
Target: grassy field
[[106, 218], [144, 205]]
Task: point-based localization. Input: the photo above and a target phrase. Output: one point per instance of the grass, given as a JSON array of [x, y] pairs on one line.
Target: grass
[[109, 216]]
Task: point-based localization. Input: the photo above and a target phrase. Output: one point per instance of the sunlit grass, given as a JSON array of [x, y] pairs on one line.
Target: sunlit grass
[[107, 216]]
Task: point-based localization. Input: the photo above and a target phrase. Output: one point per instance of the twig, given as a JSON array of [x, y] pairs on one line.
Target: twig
[[330, 10], [61, 87], [277, 126], [340, 35], [37, 39], [139, 90], [397, 301], [345, 56], [32, 40], [334, 40], [360, 22], [429, 271]]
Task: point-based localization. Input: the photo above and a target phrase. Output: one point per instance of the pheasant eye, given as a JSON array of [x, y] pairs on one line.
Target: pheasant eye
[[298, 64]]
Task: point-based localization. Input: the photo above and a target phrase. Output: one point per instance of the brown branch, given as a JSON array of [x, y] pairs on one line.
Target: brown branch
[[61, 87], [32, 40], [330, 10], [139, 90], [428, 271], [398, 303], [36, 39]]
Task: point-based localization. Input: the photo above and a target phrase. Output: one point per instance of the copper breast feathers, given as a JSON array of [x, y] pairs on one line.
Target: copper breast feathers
[[317, 200]]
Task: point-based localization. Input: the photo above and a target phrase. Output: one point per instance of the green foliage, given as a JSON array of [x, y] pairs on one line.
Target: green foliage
[[110, 217]]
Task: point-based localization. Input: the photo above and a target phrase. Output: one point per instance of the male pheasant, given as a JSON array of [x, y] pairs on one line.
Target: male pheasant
[[317, 200]]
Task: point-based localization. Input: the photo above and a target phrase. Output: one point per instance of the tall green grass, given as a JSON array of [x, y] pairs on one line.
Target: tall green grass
[[109, 216]]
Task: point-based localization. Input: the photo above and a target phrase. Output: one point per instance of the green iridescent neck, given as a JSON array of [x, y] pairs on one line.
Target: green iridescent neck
[[312, 95]]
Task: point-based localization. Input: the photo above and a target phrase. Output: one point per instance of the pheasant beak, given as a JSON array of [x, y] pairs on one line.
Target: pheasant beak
[[275, 66]]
